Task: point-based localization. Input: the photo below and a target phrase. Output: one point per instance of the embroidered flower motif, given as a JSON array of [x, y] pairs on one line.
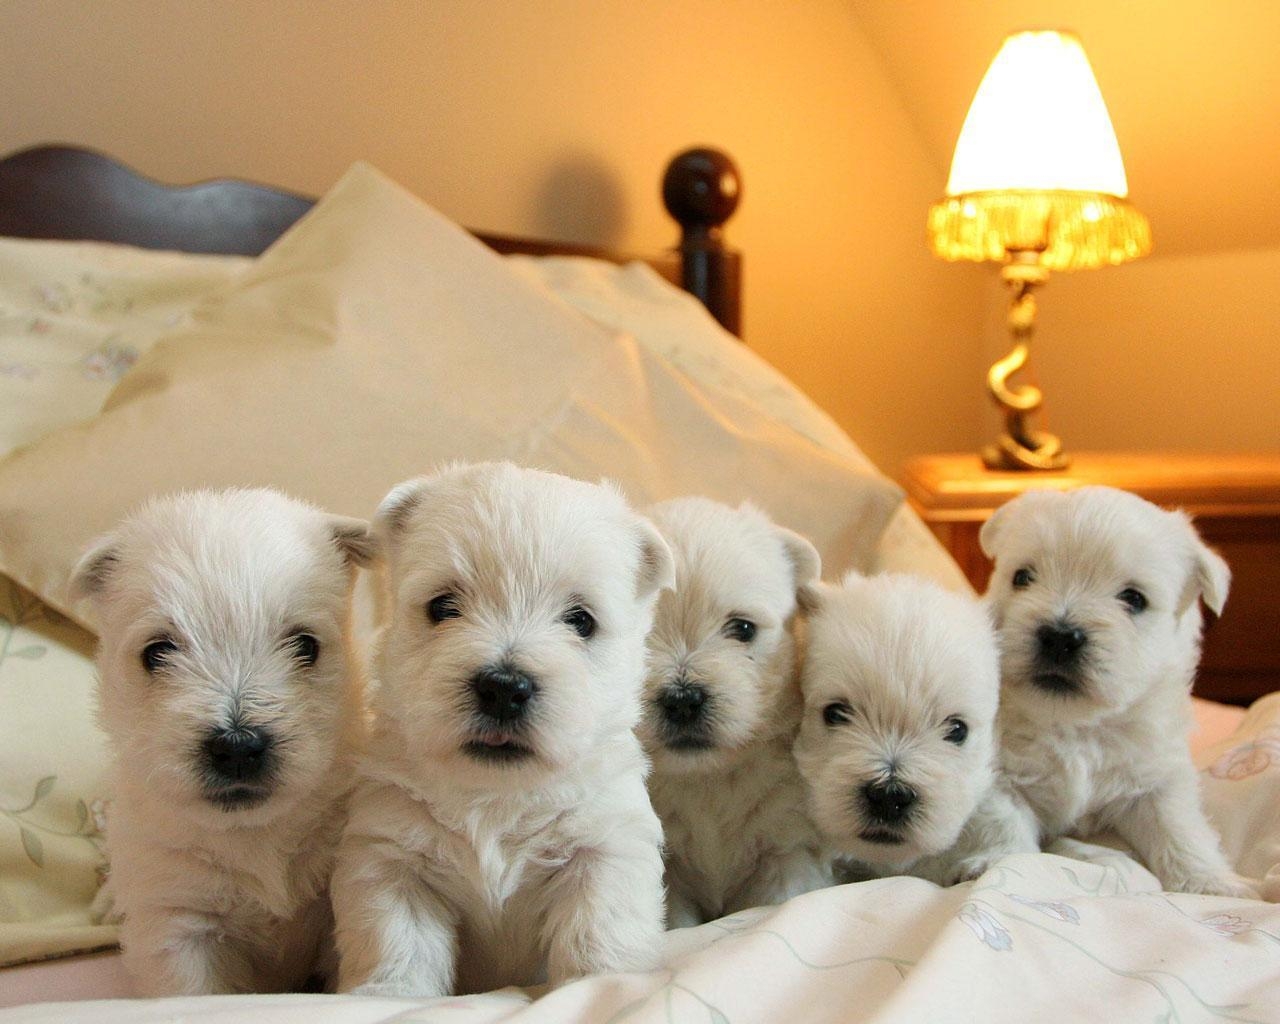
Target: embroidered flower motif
[[108, 362], [986, 927], [1227, 924], [56, 297], [22, 371], [1247, 760], [1058, 911]]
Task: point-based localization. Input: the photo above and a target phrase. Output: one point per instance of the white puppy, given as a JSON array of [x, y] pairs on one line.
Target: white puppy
[[1096, 596], [721, 709], [232, 704], [501, 829], [901, 682]]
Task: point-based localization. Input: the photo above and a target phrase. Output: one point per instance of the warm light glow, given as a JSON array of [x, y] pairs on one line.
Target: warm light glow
[[1038, 122], [1037, 168]]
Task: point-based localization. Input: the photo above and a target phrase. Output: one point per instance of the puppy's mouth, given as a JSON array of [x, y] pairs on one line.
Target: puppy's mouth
[[497, 748], [238, 798], [689, 743], [1058, 683], [882, 836]]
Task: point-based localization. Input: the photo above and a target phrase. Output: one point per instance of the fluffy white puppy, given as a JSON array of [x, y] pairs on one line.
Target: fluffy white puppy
[[901, 683], [232, 704], [1096, 596], [501, 830], [722, 706]]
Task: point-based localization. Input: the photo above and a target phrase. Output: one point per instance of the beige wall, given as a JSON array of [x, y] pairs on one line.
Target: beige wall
[[555, 118], [1179, 352]]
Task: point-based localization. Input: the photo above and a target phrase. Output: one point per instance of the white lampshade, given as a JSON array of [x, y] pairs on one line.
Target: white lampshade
[[1038, 123]]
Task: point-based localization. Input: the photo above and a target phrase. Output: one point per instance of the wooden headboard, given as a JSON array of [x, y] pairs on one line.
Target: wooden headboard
[[72, 193]]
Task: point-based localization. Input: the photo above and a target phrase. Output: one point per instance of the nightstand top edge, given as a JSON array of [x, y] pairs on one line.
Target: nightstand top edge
[[957, 487]]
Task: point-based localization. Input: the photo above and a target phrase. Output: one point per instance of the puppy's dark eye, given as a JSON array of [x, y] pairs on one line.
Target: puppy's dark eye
[[957, 731], [742, 630], [1023, 578], [156, 654], [1133, 599], [445, 606], [837, 713], [304, 647], [580, 621]]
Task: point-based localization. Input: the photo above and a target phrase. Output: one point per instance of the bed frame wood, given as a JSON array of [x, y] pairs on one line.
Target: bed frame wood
[[66, 192]]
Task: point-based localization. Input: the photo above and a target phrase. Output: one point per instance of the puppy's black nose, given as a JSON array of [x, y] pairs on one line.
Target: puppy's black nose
[[1060, 643], [888, 802], [683, 702], [238, 755], [502, 692]]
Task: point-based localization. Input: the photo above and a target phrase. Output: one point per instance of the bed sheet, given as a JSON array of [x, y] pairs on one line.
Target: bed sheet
[[1079, 934], [1086, 907]]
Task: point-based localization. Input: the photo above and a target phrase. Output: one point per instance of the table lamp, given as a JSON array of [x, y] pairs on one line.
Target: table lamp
[[1036, 184]]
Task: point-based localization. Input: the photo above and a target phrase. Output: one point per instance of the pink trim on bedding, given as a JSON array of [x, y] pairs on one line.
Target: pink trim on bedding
[[89, 976]]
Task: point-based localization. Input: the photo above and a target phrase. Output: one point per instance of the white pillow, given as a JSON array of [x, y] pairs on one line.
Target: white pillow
[[376, 340], [671, 323], [75, 316]]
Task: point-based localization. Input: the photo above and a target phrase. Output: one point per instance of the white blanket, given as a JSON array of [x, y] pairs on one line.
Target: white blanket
[[1080, 933]]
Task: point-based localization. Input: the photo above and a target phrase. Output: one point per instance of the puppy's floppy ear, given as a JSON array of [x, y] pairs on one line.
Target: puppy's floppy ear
[[355, 539], [657, 570], [806, 563], [396, 509], [813, 595], [998, 525], [1209, 575], [96, 567], [1215, 578]]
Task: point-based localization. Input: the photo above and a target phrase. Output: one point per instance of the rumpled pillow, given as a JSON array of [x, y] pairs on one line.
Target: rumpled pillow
[[672, 324], [75, 316], [376, 340], [676, 327]]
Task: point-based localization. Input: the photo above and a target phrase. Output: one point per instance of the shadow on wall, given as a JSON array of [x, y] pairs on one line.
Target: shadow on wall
[[581, 198]]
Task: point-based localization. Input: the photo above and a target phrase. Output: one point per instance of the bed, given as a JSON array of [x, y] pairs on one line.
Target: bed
[[186, 321]]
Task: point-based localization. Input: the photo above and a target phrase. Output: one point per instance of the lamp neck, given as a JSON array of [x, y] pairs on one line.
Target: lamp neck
[[1022, 273]]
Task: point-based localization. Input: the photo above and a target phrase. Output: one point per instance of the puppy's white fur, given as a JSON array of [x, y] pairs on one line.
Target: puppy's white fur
[[1098, 740], [479, 855], [901, 684], [223, 889], [721, 709]]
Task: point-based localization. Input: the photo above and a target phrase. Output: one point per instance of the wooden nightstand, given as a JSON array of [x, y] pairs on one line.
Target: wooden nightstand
[[1235, 500]]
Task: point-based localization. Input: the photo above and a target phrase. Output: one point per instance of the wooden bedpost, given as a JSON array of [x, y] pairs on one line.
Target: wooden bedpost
[[701, 189]]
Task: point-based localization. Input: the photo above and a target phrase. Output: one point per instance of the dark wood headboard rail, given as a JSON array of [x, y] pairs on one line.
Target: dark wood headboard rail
[[66, 192]]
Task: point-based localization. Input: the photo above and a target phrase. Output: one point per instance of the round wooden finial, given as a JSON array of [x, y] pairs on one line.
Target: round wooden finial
[[701, 189]]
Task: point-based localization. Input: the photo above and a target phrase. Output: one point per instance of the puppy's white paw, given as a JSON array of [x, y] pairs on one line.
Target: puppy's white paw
[[393, 990], [966, 869], [1270, 885], [847, 870], [1216, 885]]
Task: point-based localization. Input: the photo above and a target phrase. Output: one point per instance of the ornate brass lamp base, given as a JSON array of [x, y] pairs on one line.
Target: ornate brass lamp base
[[1021, 446]]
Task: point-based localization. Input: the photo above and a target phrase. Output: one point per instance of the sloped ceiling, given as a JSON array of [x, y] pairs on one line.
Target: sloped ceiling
[[1193, 88]]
